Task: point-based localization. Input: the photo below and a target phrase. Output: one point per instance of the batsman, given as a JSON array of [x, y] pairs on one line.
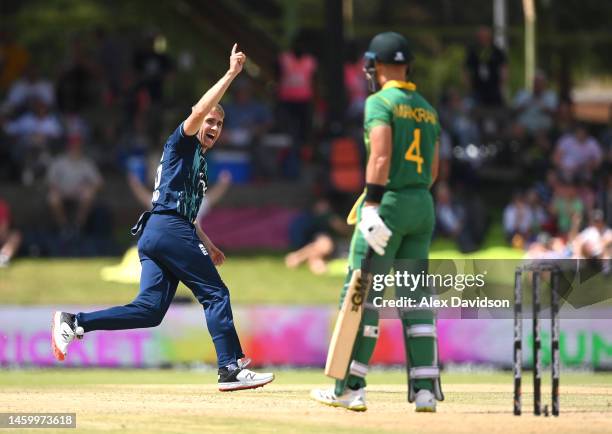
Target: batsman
[[395, 219]]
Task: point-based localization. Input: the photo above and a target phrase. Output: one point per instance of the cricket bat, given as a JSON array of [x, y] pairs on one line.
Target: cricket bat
[[347, 323]]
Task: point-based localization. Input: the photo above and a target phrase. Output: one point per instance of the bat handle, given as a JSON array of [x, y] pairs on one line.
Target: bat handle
[[366, 265], [367, 261]]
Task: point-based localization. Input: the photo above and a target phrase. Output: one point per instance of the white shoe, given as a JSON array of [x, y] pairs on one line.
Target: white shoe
[[63, 331], [351, 400], [241, 378], [425, 402]]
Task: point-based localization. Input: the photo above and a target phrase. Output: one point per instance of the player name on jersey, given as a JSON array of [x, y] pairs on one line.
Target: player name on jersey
[[417, 114]]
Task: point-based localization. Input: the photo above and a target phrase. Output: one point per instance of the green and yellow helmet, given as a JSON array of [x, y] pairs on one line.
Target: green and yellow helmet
[[388, 47]]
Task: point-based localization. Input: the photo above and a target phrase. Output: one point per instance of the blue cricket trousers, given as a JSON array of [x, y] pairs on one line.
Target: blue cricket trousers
[[171, 251]]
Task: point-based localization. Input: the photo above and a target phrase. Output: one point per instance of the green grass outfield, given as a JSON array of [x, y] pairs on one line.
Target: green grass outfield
[[74, 377], [175, 401], [252, 279]]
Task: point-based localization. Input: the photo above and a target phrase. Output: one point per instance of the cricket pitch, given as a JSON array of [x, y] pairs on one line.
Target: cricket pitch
[[169, 401]]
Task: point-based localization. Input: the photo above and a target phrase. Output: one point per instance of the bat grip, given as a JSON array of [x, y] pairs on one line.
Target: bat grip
[[366, 265]]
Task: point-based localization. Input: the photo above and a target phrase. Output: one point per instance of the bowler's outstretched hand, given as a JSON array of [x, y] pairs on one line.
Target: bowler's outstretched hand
[[237, 60]]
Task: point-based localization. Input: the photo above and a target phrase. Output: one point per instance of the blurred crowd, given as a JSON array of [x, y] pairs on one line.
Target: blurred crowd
[[119, 99], [105, 109], [101, 113], [562, 201]]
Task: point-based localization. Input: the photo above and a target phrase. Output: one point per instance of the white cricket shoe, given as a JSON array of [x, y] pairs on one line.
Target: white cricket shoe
[[425, 402], [241, 378], [63, 331], [351, 400]]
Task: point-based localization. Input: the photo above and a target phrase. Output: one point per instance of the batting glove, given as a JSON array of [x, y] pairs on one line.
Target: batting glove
[[374, 229]]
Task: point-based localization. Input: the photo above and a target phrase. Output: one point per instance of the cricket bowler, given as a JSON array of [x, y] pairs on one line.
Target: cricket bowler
[[172, 248], [394, 218]]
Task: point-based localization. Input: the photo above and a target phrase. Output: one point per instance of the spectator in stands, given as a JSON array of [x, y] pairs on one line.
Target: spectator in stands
[[134, 145], [446, 156], [539, 216], [10, 239], [247, 120], [547, 247], [153, 66], [76, 86], [564, 119], [578, 154], [315, 234], [523, 218], [76, 125], [30, 88], [296, 90], [536, 157], [354, 81], [342, 176], [486, 70], [606, 142], [546, 189], [74, 181], [33, 134], [566, 207], [595, 241], [134, 99], [110, 60], [456, 119], [451, 219], [535, 109], [517, 221], [587, 195], [37, 126]]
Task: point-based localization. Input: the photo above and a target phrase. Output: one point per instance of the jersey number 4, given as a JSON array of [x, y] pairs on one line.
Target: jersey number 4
[[414, 151]]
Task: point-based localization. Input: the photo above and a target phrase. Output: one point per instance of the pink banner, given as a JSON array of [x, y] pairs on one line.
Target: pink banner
[[281, 335]]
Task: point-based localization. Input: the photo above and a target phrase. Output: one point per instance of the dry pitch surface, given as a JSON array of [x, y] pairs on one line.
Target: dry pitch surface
[[182, 401]]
